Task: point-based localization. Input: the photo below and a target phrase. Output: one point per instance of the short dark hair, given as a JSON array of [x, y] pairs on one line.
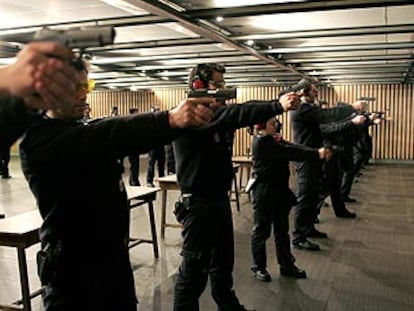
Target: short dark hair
[[306, 83], [204, 72]]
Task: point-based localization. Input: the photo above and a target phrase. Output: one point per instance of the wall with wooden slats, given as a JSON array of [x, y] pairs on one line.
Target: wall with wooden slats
[[101, 102], [393, 139]]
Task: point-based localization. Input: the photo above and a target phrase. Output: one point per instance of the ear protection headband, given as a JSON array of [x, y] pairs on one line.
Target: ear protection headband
[[198, 84], [201, 74]]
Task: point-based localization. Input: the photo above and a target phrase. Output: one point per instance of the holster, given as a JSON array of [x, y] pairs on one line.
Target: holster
[[48, 259], [182, 206]]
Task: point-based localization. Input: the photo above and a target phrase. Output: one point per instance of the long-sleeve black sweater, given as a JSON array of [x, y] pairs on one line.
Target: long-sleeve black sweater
[[14, 120], [73, 171], [271, 159], [306, 121], [203, 156]]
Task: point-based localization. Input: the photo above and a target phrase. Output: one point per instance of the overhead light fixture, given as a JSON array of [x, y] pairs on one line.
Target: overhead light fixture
[[250, 42], [125, 6], [219, 19]]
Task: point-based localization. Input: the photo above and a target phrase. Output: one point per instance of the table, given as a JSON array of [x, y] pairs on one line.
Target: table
[[21, 232], [246, 164], [138, 196], [166, 183]]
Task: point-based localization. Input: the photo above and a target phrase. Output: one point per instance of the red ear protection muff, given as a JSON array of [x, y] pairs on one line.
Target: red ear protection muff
[[198, 84]]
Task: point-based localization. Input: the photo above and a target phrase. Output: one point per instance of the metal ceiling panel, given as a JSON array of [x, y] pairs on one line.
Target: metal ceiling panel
[[339, 41]]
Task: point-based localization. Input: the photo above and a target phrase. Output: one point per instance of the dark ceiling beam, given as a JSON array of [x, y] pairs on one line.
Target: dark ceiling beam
[[316, 55], [293, 7], [190, 55], [409, 71], [324, 65], [347, 66], [229, 66], [327, 33], [372, 76], [122, 21], [315, 59], [343, 47], [362, 71], [152, 44], [160, 9]]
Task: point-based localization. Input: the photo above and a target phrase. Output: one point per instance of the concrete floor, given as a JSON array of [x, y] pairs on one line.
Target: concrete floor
[[365, 264]]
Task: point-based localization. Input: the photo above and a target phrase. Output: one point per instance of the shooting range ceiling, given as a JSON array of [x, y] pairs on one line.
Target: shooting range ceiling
[[260, 42]]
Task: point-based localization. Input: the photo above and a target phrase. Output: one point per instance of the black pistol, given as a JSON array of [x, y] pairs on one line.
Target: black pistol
[[218, 94], [296, 88], [367, 98], [75, 38]]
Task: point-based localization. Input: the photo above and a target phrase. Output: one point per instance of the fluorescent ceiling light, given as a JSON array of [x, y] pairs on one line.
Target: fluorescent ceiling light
[[125, 6], [180, 29], [233, 3]]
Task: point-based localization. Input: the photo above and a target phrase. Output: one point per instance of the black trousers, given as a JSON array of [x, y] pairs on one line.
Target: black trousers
[[348, 173], [271, 208], [207, 252], [308, 174], [360, 157], [332, 186], [87, 283], [134, 170], [169, 150], [156, 156], [4, 161]]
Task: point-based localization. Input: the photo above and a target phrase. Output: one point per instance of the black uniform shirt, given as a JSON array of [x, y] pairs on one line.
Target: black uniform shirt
[[14, 120], [271, 159], [74, 173], [307, 118], [203, 156]]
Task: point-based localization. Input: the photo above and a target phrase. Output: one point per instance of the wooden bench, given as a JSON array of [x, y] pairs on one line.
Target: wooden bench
[[21, 232]]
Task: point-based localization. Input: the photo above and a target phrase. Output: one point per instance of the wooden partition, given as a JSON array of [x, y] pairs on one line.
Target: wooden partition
[[393, 139]]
